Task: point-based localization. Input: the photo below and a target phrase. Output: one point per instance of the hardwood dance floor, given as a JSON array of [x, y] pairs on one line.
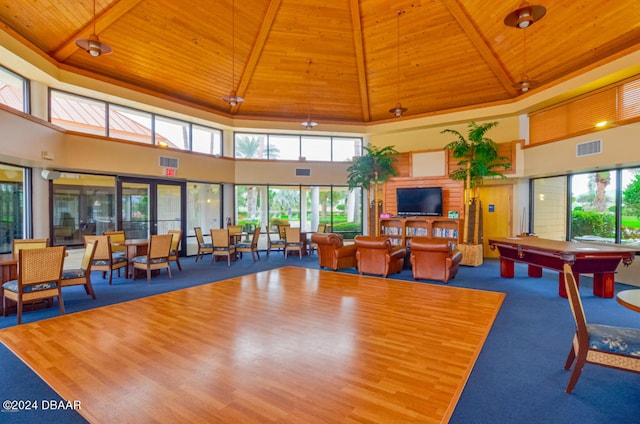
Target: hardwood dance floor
[[289, 345]]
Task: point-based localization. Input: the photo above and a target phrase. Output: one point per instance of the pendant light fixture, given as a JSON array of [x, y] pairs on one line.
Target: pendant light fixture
[[232, 98], [398, 110], [522, 18], [309, 124], [93, 45]]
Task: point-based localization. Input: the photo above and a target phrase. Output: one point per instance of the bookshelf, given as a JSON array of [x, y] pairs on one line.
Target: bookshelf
[[401, 230]]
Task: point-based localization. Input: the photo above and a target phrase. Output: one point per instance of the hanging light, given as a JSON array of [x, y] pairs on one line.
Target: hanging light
[[309, 124], [398, 110], [93, 45], [232, 98], [525, 16]]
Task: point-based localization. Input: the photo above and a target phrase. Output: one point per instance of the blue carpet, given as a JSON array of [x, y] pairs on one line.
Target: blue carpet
[[518, 377]]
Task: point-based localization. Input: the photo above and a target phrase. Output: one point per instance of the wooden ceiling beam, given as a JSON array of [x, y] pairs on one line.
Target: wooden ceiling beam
[[104, 21], [479, 43], [356, 22], [256, 51]]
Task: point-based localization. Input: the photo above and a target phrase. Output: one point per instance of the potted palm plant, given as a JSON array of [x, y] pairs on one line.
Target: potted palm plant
[[478, 159], [375, 166]]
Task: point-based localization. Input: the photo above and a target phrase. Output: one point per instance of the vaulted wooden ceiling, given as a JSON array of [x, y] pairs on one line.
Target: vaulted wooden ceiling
[[437, 55]]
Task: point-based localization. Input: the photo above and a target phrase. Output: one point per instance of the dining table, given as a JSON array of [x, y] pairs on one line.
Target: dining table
[[629, 299], [133, 248]]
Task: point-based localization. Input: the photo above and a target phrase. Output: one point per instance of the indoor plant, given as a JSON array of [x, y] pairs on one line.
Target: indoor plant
[[367, 171], [478, 159]]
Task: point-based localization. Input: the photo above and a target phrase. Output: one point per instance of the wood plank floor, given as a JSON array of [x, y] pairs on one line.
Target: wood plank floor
[[289, 345]]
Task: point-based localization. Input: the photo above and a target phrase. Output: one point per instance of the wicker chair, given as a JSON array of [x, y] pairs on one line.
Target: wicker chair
[[39, 275], [609, 346], [82, 276], [310, 244], [157, 256], [174, 254], [19, 244], [104, 260], [203, 248], [293, 241], [279, 243], [222, 245], [251, 247]]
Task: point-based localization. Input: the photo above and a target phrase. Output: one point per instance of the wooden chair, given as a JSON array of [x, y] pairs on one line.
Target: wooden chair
[[609, 346], [104, 260], [279, 243], [310, 243], [117, 238], [82, 276], [203, 248], [174, 254], [222, 245], [251, 247], [235, 232], [157, 256], [39, 275], [293, 241], [19, 244]]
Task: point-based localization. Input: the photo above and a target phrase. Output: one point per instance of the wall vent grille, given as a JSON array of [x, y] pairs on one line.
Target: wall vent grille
[[589, 148], [303, 172], [166, 162]]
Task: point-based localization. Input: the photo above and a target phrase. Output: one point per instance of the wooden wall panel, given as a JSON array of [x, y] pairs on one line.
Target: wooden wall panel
[[452, 193]]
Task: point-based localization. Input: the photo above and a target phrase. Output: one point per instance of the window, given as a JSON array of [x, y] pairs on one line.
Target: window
[[14, 90], [292, 147], [12, 205], [630, 211], [83, 204], [549, 204], [203, 210], [130, 124], [77, 113], [206, 140], [593, 207], [171, 133]]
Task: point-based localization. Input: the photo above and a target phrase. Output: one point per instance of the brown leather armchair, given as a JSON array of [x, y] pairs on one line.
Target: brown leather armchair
[[433, 259], [376, 255], [332, 253]]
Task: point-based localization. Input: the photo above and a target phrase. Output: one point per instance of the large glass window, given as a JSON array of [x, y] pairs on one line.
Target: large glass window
[[284, 147], [204, 210], [250, 146], [171, 133], [130, 124], [292, 147], [12, 205], [344, 149], [14, 90], [284, 205], [83, 204], [593, 207], [206, 140], [630, 211], [316, 148]]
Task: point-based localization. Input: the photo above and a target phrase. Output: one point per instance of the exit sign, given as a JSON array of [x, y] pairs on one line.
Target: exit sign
[[169, 172]]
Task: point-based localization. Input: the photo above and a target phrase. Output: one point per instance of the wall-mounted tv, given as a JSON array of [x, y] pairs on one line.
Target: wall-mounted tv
[[419, 201]]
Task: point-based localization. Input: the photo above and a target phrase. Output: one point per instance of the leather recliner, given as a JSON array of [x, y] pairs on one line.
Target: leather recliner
[[376, 255], [433, 259], [332, 253]]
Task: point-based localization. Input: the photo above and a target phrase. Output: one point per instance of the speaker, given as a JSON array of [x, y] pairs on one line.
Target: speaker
[[48, 174]]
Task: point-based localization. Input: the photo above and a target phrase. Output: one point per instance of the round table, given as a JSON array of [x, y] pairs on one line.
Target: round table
[[629, 299]]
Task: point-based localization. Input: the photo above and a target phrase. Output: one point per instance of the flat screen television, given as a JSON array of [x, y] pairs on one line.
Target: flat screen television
[[419, 201]]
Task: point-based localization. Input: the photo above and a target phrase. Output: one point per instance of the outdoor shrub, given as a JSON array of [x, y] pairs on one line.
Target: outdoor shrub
[[592, 223]]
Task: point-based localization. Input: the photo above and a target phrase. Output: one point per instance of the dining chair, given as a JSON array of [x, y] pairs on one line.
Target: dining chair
[[117, 239], [250, 247], [599, 344], [39, 275], [222, 246], [174, 254], [203, 248], [19, 244], [293, 241], [279, 243], [104, 260], [157, 256], [82, 276], [235, 232]]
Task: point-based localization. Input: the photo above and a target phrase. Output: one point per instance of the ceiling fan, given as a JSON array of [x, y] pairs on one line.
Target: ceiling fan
[[93, 45]]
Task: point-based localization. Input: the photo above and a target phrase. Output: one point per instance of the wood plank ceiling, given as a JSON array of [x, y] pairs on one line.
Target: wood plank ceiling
[[437, 55]]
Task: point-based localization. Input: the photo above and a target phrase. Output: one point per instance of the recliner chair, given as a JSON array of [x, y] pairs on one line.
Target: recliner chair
[[376, 255], [434, 259]]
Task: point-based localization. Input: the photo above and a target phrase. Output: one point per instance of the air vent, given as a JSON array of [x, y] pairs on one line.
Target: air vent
[[166, 162], [303, 172], [589, 148]]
